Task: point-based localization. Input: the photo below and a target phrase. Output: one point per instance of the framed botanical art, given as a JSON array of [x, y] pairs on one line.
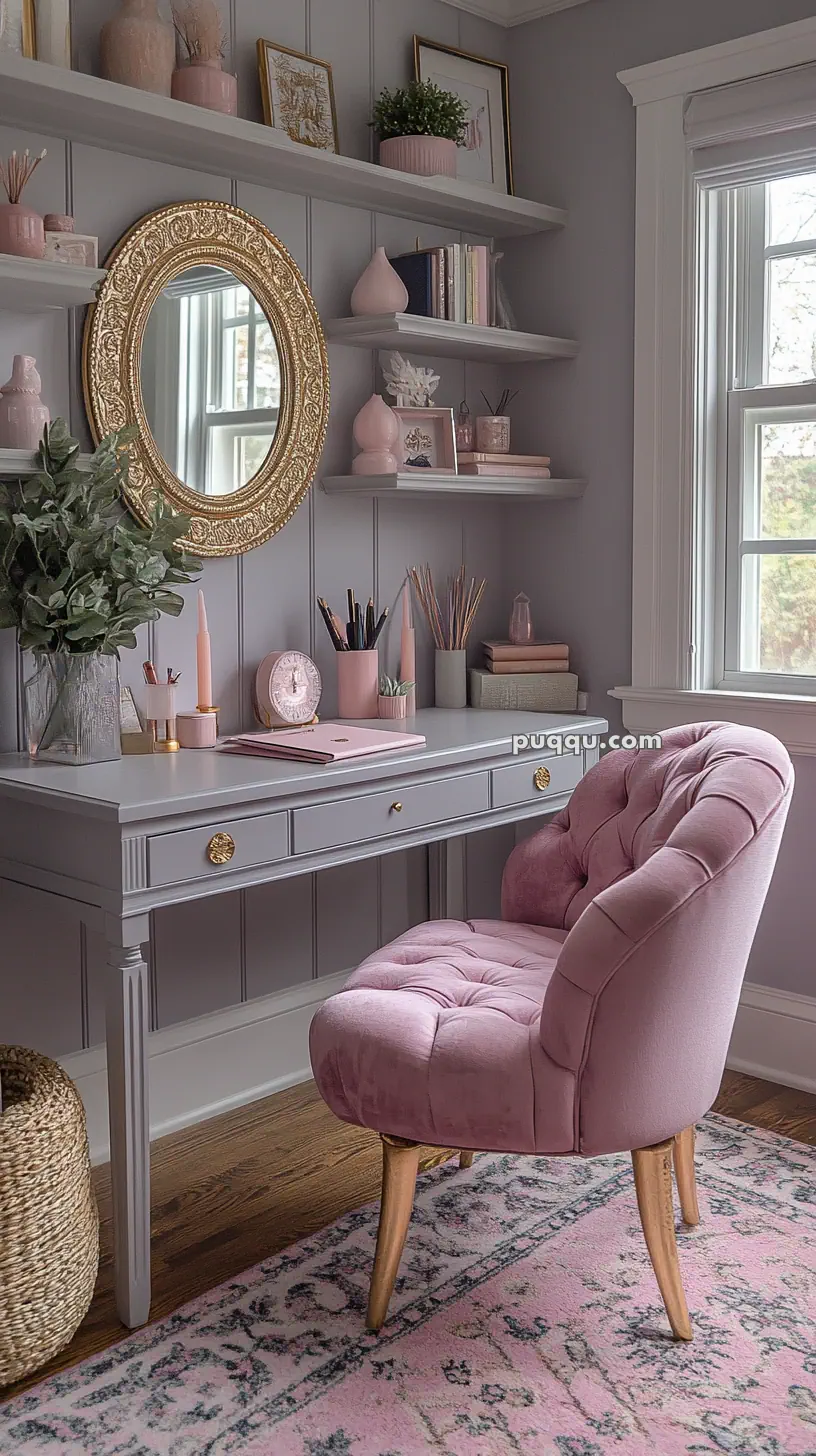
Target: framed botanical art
[[485, 157], [17, 29], [298, 96], [427, 440]]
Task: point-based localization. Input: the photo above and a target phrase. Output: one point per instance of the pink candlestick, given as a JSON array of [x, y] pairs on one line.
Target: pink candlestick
[[203, 658], [408, 650]]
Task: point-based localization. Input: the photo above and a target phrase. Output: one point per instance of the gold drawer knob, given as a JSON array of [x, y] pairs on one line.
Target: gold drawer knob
[[541, 778], [220, 849], [396, 807]]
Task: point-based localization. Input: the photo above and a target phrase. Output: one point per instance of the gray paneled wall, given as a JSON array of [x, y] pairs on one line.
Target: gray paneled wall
[[232, 948]]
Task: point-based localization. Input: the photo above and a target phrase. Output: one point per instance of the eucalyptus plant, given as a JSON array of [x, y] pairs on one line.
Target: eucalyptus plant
[[77, 573], [420, 109]]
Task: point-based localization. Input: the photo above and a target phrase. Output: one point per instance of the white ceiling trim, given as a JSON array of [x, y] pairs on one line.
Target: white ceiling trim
[[513, 12]]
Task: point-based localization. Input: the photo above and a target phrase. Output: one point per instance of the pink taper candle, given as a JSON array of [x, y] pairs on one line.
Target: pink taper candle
[[203, 658], [408, 649]]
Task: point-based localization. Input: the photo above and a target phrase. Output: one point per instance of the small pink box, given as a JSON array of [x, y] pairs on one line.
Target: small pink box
[[197, 730]]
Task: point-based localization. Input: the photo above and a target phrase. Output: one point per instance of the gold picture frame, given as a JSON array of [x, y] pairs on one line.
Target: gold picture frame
[[310, 130], [468, 68], [155, 251], [28, 33]]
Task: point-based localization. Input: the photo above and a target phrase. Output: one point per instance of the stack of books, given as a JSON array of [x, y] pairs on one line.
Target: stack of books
[[527, 467], [452, 283], [531, 678]]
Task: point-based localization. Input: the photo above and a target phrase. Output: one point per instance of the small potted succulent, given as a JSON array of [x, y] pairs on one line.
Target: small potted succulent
[[393, 699], [420, 127]]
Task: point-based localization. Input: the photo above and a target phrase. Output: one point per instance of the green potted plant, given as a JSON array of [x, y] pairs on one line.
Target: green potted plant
[[393, 699], [79, 576], [420, 127]]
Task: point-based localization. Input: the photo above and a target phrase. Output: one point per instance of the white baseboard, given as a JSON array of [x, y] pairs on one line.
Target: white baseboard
[[203, 1067], [775, 1037]]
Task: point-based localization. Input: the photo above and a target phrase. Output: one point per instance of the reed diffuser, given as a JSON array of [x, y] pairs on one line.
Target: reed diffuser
[[450, 617], [22, 231]]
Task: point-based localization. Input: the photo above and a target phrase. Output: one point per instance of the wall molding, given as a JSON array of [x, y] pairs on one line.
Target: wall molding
[[775, 1037], [200, 1068], [513, 12], [230, 1058]]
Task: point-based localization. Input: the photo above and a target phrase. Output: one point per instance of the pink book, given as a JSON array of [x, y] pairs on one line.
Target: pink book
[[322, 743], [512, 651]]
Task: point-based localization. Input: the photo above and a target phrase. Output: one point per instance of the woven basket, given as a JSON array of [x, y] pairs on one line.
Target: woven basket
[[49, 1224]]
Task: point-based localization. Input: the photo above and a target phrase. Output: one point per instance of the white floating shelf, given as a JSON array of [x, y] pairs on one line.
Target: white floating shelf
[[80, 108], [424, 483], [21, 462], [32, 285], [446, 340]]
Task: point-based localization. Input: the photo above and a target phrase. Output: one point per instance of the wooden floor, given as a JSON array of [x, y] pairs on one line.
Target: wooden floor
[[230, 1192]]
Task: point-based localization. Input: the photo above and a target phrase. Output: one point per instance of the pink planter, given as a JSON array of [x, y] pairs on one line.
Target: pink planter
[[21, 231], [423, 155], [203, 83], [22, 413], [393, 707], [358, 682]]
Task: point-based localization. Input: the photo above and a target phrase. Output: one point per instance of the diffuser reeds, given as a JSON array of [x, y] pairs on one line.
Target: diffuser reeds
[[16, 173], [449, 616]]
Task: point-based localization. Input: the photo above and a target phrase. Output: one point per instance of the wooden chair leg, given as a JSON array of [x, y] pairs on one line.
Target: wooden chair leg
[[685, 1175], [466, 1158], [653, 1182], [400, 1165]]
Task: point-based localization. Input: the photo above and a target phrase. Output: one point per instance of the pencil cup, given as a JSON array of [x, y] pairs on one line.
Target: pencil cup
[[161, 712], [450, 678], [358, 679]]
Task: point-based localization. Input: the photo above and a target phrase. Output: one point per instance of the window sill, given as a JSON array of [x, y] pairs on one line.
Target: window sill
[[791, 718]]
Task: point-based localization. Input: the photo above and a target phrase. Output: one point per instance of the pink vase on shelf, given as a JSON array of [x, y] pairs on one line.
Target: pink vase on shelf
[[376, 430], [138, 48], [21, 231], [379, 289], [203, 83], [424, 156], [23, 415]]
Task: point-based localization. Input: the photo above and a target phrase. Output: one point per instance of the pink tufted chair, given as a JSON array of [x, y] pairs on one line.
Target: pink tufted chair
[[595, 1016]]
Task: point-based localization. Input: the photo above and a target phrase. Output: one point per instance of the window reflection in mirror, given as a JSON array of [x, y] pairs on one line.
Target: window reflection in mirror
[[211, 380]]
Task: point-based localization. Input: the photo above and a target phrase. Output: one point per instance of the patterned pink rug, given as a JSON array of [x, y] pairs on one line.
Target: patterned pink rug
[[526, 1320]]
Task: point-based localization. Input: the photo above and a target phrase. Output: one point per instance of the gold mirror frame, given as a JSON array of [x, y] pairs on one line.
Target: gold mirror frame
[[158, 248]]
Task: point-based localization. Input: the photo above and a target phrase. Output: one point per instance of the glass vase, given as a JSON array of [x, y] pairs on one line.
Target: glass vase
[[72, 708]]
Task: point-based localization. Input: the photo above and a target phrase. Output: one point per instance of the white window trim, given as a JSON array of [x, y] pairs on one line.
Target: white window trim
[[664, 689]]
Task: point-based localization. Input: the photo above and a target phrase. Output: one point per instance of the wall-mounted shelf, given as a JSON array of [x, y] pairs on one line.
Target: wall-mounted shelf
[[21, 462], [446, 340], [425, 483], [80, 108], [31, 285]]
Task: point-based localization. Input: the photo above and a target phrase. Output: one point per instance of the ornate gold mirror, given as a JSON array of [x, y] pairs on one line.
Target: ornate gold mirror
[[205, 336]]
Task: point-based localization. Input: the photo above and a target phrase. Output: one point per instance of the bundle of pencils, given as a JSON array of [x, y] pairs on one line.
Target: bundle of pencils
[[451, 618], [362, 628]]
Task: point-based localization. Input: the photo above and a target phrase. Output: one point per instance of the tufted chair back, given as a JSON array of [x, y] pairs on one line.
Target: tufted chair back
[[658, 870]]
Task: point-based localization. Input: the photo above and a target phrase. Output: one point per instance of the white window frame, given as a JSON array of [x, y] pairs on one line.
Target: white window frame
[[678, 541]]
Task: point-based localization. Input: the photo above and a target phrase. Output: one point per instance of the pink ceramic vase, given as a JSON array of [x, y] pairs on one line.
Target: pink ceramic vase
[[137, 48], [423, 155], [376, 430], [22, 413], [21, 231], [203, 83], [379, 289]]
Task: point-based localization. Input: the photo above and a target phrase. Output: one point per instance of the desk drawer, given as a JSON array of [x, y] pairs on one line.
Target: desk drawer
[[517, 784], [193, 854], [353, 821]]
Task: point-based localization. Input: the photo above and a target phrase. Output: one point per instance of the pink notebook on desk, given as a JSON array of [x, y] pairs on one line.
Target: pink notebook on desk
[[323, 743]]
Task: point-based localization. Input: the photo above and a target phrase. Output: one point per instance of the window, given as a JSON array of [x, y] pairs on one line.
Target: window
[[764, 239]]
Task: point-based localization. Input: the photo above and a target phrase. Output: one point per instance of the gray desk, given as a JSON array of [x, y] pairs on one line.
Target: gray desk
[[111, 842]]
